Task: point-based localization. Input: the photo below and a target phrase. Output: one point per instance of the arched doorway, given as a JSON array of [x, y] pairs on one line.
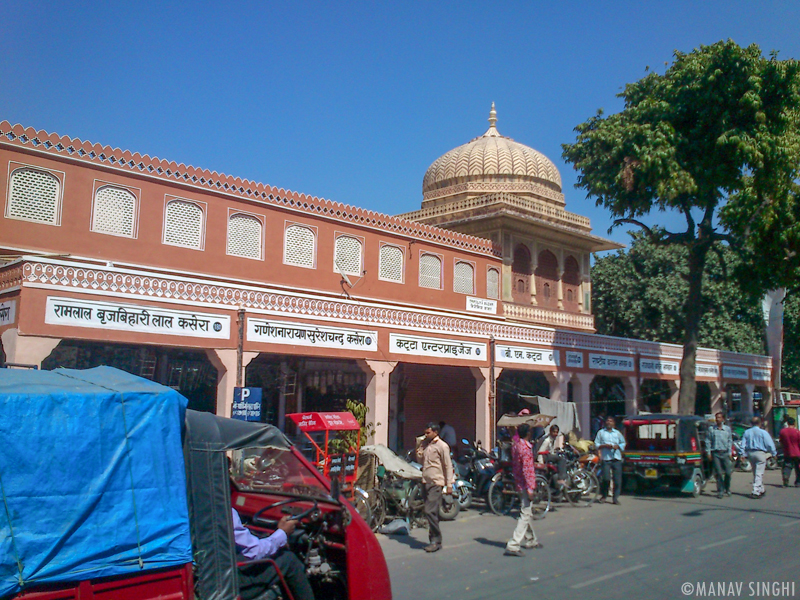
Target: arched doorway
[[521, 275], [547, 280], [571, 281]]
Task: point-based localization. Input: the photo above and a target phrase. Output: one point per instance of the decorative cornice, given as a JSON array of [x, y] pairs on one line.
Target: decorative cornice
[[490, 186], [145, 286], [77, 150]]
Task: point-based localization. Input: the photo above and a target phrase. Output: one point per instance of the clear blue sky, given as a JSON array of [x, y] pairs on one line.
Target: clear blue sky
[[343, 100]]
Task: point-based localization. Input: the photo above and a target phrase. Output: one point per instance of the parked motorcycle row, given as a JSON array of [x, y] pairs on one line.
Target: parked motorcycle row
[[390, 492]]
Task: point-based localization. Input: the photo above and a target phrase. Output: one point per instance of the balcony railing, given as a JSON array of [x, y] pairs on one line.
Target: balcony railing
[[548, 317]]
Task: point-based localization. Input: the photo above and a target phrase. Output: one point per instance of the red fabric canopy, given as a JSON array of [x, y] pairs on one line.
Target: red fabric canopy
[[325, 421]]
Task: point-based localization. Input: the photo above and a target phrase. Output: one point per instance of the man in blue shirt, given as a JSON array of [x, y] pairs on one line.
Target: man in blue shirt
[[719, 442], [758, 445], [610, 443]]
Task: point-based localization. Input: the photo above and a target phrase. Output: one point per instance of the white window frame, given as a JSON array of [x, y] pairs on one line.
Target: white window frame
[[441, 269], [499, 282], [261, 219], [474, 271], [137, 194], [59, 175], [314, 229], [402, 267], [203, 206], [362, 240]]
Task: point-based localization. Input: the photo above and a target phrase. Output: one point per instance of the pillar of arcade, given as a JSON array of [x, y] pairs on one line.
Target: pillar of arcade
[[582, 395], [224, 361], [483, 403], [378, 390], [27, 350]]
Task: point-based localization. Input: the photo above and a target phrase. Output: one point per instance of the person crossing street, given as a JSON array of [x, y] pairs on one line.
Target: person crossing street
[[525, 481], [758, 445], [719, 442], [437, 473], [610, 443]]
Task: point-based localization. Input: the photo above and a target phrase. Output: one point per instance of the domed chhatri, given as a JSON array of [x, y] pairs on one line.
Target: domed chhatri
[[493, 161]]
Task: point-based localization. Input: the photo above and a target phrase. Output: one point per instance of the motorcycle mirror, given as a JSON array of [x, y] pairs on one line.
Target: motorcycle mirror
[[465, 441]]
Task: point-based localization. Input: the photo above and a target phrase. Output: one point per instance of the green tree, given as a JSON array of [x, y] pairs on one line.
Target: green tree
[[790, 374], [639, 293], [719, 127]]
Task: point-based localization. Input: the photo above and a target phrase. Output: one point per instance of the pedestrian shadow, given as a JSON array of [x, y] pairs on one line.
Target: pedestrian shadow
[[495, 543], [408, 540]]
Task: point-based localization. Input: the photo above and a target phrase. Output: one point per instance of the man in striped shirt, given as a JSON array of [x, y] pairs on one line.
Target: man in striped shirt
[[719, 442]]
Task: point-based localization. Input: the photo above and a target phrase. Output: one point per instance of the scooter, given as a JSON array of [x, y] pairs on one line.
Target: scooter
[[477, 467]]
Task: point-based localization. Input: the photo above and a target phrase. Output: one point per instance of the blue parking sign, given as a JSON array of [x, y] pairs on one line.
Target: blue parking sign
[[246, 404]]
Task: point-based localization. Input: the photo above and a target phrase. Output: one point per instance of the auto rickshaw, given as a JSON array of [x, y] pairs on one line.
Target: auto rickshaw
[[665, 450]]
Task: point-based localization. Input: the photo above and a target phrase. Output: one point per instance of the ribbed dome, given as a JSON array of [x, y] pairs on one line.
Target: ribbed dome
[[491, 158]]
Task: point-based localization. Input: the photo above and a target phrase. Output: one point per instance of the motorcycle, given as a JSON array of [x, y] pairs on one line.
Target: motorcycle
[[476, 467], [739, 457], [582, 486]]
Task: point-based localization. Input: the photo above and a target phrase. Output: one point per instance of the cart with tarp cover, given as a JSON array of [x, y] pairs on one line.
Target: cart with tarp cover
[[336, 465]]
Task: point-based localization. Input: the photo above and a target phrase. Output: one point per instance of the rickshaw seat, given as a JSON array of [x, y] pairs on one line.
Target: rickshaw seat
[[270, 593]]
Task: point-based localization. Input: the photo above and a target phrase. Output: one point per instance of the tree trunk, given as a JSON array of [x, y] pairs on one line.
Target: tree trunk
[[693, 311]]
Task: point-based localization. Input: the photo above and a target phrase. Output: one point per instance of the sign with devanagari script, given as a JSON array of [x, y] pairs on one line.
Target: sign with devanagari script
[[139, 319], [442, 348], [315, 336], [731, 372], [8, 312], [656, 366], [527, 356], [611, 362]]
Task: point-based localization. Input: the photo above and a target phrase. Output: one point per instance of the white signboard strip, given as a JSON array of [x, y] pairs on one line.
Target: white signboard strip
[[659, 367], [574, 359], [140, 319], [701, 370], [735, 372], [610, 362], [760, 374], [443, 348], [481, 305], [8, 312], [527, 356], [313, 336]]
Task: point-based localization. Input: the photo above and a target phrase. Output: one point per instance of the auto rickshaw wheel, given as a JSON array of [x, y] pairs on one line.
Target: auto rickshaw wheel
[[697, 485]]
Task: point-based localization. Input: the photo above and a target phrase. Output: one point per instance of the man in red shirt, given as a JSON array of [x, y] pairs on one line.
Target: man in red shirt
[[790, 443], [525, 480]]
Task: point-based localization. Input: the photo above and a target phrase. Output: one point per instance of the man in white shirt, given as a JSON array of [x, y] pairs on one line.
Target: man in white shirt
[[549, 453], [610, 443]]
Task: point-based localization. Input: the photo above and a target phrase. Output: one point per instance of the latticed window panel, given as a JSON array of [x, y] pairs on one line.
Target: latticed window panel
[[430, 271], [114, 211], [464, 278], [184, 224], [348, 254], [391, 263], [245, 236], [493, 283], [299, 247], [34, 196]]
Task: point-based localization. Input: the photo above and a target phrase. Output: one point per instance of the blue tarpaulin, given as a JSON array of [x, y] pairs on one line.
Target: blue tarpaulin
[[92, 476]]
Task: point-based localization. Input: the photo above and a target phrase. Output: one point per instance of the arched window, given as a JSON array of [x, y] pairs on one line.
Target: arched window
[[245, 233], [521, 270], [464, 278], [569, 296], [570, 282], [430, 271], [300, 247], [34, 195], [183, 224], [547, 279], [347, 255], [493, 283], [391, 264], [114, 211]]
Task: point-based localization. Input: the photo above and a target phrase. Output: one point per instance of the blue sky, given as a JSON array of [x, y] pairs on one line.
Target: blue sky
[[348, 101]]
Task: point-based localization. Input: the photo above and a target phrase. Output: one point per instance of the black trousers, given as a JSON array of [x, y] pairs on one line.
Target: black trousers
[[257, 578], [611, 468], [560, 462], [432, 494], [723, 468], [789, 463]]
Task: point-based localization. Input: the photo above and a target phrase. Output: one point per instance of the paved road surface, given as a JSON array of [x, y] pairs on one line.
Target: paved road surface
[[647, 548]]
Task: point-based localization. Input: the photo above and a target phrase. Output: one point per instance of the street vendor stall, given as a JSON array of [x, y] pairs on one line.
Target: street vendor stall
[[335, 465]]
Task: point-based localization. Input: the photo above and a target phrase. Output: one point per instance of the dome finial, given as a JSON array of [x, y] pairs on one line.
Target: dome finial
[[492, 116]]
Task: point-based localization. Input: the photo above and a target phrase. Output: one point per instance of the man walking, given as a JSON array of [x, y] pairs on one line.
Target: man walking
[[790, 443], [437, 472], [758, 445], [525, 481], [719, 442], [610, 443]]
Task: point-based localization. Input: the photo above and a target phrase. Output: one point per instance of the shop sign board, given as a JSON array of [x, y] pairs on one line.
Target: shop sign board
[[246, 404], [314, 336], [574, 359], [8, 312], [481, 305], [527, 356], [130, 317], [760, 374], [659, 367], [729, 372], [442, 348], [610, 362], [701, 370]]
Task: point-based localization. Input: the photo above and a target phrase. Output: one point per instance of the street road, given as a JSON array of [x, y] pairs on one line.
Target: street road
[[652, 546]]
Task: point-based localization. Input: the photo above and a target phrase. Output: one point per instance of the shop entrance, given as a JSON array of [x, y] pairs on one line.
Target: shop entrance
[[184, 369], [512, 385]]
